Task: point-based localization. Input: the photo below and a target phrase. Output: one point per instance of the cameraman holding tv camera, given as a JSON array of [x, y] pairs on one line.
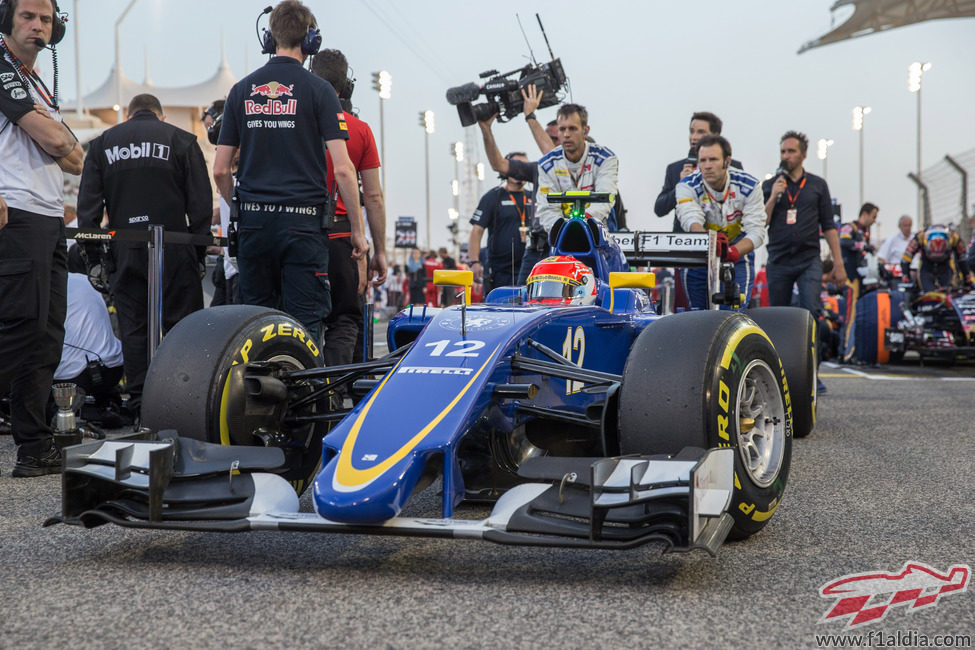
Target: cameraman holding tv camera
[[515, 169]]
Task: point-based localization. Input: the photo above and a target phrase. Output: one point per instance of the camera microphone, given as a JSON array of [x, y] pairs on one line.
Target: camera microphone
[[691, 157], [466, 93], [268, 9]]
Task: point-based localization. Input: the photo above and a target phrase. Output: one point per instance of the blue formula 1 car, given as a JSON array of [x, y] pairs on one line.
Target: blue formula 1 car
[[592, 422]]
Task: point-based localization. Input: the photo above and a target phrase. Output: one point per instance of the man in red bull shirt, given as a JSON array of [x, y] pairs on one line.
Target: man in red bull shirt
[[345, 322], [279, 116]]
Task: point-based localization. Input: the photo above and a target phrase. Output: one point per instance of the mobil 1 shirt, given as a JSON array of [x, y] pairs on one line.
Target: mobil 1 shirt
[[280, 116], [794, 237], [502, 213]]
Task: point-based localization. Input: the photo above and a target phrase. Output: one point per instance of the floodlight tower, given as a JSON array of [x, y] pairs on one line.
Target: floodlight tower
[[859, 112]]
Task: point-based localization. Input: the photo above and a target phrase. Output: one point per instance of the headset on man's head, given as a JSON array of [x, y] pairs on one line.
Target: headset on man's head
[[310, 44], [57, 25]]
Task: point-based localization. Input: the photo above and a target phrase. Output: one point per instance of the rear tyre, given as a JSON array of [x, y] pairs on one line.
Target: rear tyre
[[876, 311], [712, 379], [793, 333], [187, 384]]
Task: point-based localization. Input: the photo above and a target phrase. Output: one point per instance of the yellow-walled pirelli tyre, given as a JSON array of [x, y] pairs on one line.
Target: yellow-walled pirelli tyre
[[187, 384], [712, 379], [793, 333]]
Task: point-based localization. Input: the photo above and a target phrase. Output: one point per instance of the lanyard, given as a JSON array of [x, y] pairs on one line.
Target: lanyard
[[582, 166], [520, 211], [793, 199], [727, 190], [28, 76]]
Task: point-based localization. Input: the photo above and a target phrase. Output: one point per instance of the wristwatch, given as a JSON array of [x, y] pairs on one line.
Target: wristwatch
[[530, 116], [473, 262]]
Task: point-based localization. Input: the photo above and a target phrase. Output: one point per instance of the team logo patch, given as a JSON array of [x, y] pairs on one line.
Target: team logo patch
[[453, 322], [6, 76], [18, 93], [342, 125], [272, 89], [865, 598]]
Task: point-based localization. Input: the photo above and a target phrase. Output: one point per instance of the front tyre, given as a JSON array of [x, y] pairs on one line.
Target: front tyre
[[187, 385], [712, 379]]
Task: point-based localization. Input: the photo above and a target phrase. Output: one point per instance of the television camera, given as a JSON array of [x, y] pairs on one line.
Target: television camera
[[503, 91]]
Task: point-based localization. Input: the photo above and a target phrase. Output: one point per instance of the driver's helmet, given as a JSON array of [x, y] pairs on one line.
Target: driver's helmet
[[937, 243], [561, 280]]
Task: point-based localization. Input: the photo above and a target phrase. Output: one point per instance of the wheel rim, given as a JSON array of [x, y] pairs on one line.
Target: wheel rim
[[761, 423]]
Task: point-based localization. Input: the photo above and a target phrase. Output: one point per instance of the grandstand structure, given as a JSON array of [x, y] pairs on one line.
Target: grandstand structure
[[875, 16]]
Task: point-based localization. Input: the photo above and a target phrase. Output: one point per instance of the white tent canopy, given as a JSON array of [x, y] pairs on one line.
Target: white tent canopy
[[107, 95]]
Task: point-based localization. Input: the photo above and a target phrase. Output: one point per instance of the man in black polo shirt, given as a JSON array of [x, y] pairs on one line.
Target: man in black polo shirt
[[798, 207], [506, 213], [279, 116]]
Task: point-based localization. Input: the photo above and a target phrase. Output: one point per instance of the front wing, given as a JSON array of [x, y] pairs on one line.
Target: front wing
[[609, 503]]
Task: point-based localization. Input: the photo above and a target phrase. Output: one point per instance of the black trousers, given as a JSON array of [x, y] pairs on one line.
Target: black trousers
[[283, 264], [33, 304], [345, 321], [182, 295]]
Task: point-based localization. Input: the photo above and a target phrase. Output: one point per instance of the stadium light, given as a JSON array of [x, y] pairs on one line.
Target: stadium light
[[822, 151], [480, 171], [915, 72], [382, 82], [859, 112], [426, 121]]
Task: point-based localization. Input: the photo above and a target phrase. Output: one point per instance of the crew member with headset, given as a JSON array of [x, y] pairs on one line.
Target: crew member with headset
[[146, 172], [345, 322], [278, 116], [35, 151]]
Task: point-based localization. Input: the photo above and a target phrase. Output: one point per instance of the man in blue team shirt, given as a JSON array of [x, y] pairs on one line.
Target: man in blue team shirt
[[279, 117]]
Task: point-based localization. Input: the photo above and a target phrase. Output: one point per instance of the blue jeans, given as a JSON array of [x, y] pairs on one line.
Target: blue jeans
[[696, 283], [806, 276]]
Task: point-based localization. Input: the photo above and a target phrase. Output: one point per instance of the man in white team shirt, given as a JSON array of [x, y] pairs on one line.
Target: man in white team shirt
[[575, 165], [35, 150], [729, 201]]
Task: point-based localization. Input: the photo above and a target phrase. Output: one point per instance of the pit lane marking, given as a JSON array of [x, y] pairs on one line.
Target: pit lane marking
[[848, 372]]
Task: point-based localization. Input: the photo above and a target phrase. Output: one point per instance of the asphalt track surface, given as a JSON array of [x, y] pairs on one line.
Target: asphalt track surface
[[886, 478]]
